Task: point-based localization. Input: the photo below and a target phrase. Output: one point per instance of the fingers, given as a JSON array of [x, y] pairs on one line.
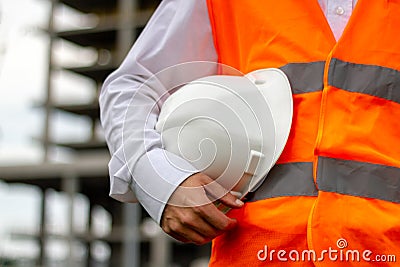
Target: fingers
[[198, 225], [231, 201], [218, 192], [210, 215], [187, 226], [199, 190], [178, 237], [216, 218], [187, 235], [190, 216]]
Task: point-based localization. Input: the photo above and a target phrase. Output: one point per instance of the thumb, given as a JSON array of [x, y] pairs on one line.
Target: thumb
[[218, 193], [229, 201]]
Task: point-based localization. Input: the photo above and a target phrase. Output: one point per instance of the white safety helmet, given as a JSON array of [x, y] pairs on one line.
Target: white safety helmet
[[232, 128]]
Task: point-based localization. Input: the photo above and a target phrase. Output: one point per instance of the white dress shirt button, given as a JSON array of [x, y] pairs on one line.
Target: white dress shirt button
[[339, 10]]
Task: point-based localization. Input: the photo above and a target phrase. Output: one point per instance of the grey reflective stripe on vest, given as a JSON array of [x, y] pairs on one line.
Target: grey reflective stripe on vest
[[367, 79], [305, 77], [359, 179], [289, 179]]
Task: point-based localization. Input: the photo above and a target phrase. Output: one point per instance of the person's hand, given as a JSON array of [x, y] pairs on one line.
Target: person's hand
[[191, 217]]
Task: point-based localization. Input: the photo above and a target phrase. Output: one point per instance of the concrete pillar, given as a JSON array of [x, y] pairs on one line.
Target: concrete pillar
[[131, 239], [42, 231], [48, 103], [126, 27], [71, 187]]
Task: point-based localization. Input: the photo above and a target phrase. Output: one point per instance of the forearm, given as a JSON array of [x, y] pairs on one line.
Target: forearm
[[130, 102]]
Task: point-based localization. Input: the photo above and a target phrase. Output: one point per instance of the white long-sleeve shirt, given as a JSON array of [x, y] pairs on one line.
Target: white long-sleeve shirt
[[178, 32]]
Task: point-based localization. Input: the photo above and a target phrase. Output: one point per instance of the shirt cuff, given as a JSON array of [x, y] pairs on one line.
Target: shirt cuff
[[120, 179], [156, 175]]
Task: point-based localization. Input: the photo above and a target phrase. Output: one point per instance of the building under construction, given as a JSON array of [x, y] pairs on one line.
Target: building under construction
[[133, 239]]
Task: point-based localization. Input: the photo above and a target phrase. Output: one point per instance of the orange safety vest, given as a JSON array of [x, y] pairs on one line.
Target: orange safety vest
[[333, 198]]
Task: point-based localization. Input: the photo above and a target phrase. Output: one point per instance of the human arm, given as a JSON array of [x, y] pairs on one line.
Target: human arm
[[140, 169]]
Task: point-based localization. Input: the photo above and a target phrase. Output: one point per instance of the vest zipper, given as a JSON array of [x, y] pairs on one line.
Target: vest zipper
[[321, 116]]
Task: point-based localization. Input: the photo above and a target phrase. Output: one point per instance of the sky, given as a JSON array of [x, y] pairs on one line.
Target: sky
[[23, 79]]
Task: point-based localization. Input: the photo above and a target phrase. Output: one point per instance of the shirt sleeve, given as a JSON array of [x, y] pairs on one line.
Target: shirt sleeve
[[175, 47]]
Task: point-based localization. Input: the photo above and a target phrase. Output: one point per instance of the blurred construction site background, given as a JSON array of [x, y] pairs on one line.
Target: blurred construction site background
[[54, 203]]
